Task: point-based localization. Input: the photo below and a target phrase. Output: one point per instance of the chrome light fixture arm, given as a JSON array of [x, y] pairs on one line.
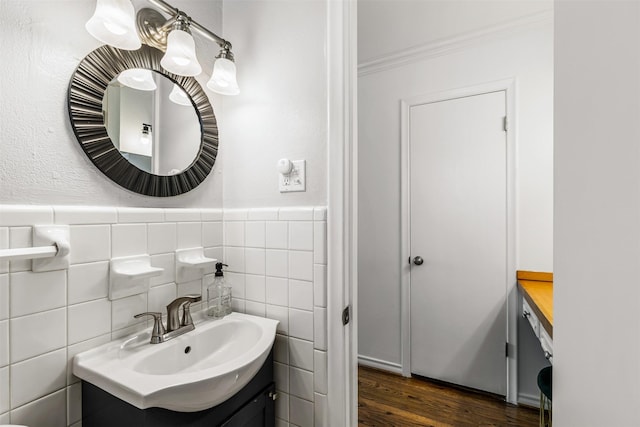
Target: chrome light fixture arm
[[175, 14], [171, 35]]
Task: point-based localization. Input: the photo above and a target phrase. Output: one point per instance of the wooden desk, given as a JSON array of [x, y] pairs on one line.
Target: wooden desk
[[537, 290]]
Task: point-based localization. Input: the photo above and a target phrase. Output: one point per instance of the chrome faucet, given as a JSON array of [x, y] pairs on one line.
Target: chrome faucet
[[173, 312], [175, 327]]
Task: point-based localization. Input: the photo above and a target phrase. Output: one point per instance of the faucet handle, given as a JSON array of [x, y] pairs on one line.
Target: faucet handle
[[173, 318], [186, 309], [186, 314], [158, 328]]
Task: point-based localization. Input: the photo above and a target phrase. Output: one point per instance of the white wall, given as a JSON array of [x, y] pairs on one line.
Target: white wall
[[597, 214], [177, 137], [41, 162], [281, 112], [386, 27], [524, 53]]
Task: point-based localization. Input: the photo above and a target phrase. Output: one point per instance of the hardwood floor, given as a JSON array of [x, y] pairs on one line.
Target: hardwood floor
[[386, 399]]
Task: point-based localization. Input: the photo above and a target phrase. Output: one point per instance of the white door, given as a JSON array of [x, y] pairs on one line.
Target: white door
[[458, 227]]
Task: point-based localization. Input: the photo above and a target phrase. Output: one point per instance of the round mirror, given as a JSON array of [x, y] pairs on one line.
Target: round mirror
[[151, 131], [151, 121]]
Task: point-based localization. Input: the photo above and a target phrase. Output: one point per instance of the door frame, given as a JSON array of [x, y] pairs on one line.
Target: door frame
[[341, 406], [509, 86]]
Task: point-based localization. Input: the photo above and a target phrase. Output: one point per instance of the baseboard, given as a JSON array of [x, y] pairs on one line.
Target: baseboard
[[371, 362], [529, 400]]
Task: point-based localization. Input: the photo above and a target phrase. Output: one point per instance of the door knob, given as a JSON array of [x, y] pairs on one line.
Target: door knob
[[418, 260]]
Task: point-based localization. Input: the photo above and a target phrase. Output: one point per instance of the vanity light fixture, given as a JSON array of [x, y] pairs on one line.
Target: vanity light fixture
[[223, 79], [138, 78], [178, 96], [113, 24], [180, 56], [145, 136]]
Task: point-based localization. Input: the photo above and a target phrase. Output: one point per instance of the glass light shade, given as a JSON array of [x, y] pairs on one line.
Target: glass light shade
[[138, 78], [179, 96], [113, 23], [223, 79], [180, 57], [145, 138]]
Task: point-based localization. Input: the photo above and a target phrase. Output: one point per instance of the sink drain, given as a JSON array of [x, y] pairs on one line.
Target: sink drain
[[187, 349]]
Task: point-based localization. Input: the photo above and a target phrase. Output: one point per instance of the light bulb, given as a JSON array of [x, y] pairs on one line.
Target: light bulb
[[113, 23], [138, 78], [145, 136], [179, 96], [180, 57], [145, 139], [223, 79]]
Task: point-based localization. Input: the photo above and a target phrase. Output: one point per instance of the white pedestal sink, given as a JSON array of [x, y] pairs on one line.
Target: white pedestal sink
[[192, 372]]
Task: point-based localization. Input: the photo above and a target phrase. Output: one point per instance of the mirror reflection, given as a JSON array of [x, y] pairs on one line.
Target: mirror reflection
[[152, 122]]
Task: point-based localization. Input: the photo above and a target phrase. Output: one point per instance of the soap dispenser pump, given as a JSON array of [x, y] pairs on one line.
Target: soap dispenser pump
[[219, 295]]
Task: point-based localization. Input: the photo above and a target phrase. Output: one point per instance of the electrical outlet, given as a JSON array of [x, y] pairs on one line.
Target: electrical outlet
[[295, 180]]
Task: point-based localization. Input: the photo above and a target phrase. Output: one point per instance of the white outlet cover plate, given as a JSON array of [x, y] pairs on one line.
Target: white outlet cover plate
[[296, 180]]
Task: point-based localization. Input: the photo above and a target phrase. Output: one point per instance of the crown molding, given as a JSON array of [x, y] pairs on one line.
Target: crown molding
[[459, 42]]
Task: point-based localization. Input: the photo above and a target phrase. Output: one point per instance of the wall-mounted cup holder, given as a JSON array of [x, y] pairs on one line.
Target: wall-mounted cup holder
[[130, 276], [190, 263]]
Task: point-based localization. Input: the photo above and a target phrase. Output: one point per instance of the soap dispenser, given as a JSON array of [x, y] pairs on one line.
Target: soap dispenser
[[219, 295]]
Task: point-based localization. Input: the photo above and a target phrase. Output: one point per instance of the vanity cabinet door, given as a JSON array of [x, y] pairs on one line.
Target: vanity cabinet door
[[259, 411], [253, 406]]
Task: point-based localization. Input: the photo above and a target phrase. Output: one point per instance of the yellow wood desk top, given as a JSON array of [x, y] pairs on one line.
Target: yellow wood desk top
[[537, 289]]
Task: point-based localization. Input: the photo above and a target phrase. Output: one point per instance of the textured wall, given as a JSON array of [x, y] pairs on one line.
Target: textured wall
[[282, 108], [41, 43]]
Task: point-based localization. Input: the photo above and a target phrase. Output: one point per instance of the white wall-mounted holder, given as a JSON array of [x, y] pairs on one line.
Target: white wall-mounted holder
[[50, 249], [130, 276], [292, 175], [190, 263]]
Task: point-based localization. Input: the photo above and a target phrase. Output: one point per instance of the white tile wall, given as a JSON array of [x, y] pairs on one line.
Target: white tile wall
[[277, 291], [277, 268], [4, 244], [37, 377], [34, 292], [51, 328], [4, 343], [162, 238], [277, 235], [300, 411], [87, 282], [255, 234], [277, 264], [132, 215], [189, 235], [128, 240], [49, 411], [90, 243], [20, 237], [4, 296], [4, 390], [88, 320]]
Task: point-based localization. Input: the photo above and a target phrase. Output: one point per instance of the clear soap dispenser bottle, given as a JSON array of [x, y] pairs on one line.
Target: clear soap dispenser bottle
[[219, 295]]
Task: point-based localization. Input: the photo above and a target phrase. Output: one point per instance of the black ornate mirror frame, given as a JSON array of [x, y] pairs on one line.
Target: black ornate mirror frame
[[86, 91]]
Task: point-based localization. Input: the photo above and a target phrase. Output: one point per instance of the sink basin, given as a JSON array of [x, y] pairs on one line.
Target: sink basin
[[192, 372]]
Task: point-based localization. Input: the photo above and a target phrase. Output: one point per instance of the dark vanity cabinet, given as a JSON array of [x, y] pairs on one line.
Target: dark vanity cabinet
[[253, 406]]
